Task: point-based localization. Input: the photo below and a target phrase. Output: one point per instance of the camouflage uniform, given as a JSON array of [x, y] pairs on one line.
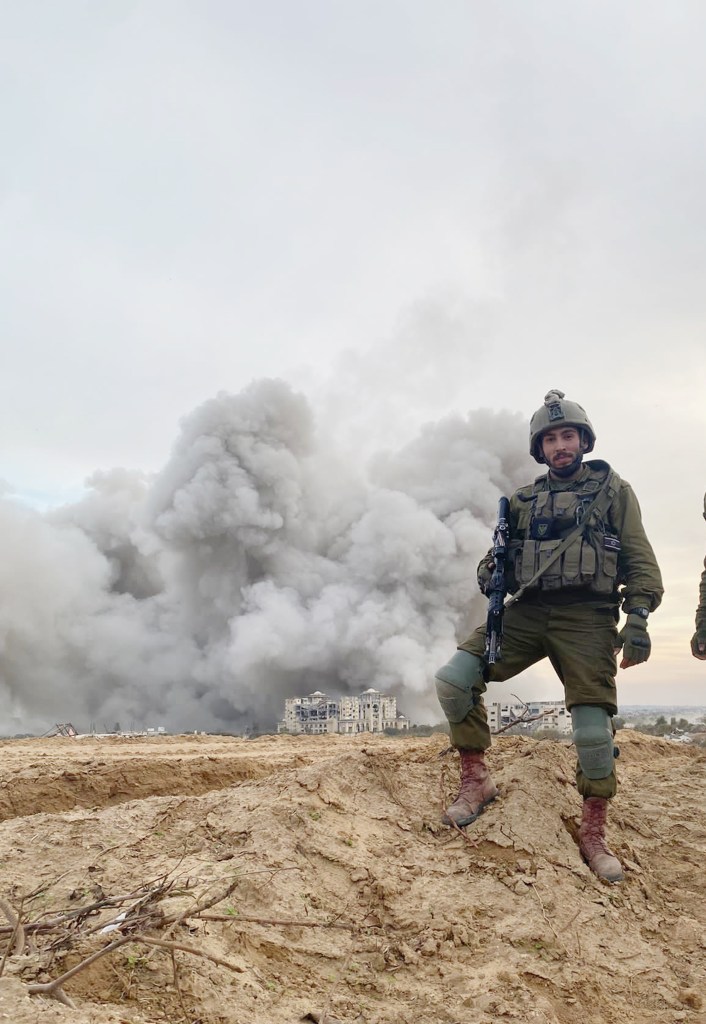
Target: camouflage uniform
[[575, 552], [573, 626], [698, 641]]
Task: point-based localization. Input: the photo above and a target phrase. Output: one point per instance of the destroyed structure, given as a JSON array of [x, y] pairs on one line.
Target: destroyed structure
[[372, 711]]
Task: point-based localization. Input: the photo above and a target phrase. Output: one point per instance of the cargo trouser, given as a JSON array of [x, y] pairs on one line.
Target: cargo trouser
[[579, 640]]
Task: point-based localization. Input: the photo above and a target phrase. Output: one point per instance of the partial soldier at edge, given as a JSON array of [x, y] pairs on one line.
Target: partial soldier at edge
[[698, 640], [568, 611]]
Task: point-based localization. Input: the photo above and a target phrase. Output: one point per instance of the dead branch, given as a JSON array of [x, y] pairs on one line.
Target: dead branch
[[201, 906], [51, 987], [143, 911], [61, 997], [464, 835], [282, 921], [32, 927], [525, 718], [321, 1018], [143, 898], [177, 985], [533, 887], [135, 924], [55, 987], [148, 940], [17, 937], [522, 720], [77, 914]]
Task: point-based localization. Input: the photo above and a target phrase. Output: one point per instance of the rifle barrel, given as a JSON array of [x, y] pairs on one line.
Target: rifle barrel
[[498, 585]]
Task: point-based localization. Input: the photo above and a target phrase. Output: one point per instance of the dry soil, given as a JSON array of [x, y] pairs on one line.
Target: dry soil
[[307, 878]]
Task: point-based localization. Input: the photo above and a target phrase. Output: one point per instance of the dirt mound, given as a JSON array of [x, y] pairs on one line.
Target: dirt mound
[[261, 881], [111, 771]]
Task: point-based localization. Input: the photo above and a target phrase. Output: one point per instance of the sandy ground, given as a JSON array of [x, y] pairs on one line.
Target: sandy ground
[[302, 878]]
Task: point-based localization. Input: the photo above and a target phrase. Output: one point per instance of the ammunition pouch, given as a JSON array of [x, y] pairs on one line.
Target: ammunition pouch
[[591, 560]]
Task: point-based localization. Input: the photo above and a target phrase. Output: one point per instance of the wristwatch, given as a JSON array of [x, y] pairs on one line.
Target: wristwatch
[[642, 612]]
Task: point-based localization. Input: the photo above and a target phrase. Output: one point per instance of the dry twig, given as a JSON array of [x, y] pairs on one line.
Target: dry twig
[[524, 719], [17, 934], [138, 924], [53, 988], [533, 887], [148, 940], [282, 921]]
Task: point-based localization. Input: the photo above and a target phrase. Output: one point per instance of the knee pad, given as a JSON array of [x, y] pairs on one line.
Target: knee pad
[[455, 682], [593, 738]]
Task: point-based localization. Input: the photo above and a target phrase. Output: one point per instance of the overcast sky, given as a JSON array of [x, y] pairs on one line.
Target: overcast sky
[[403, 209]]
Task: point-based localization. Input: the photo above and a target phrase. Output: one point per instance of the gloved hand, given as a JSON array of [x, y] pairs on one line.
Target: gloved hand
[[635, 641], [485, 573], [698, 644]]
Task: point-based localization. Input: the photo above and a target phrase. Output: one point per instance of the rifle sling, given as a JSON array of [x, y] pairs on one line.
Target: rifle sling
[[564, 544]]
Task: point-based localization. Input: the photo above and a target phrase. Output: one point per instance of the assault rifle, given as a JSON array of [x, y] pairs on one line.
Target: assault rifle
[[497, 588]]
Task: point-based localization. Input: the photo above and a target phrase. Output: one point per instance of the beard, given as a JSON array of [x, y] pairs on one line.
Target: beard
[[569, 469]]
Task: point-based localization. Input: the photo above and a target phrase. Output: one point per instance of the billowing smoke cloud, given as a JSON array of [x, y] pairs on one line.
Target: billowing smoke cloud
[[256, 565]]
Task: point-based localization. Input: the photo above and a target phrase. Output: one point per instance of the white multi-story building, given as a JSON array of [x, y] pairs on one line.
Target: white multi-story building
[[372, 711], [553, 715], [316, 713]]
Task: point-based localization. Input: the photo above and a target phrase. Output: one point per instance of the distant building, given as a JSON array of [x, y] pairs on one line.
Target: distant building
[[554, 716], [372, 711]]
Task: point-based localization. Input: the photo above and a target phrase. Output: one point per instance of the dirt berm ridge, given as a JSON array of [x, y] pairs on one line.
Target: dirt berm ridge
[[268, 881]]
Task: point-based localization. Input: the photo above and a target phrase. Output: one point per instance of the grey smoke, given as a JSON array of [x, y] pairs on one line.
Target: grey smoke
[[257, 564]]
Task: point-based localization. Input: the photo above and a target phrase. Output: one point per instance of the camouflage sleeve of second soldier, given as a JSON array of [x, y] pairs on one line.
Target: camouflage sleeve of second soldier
[[701, 610], [643, 580]]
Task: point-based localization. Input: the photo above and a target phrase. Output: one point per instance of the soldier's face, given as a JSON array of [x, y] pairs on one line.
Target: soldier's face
[[561, 446]]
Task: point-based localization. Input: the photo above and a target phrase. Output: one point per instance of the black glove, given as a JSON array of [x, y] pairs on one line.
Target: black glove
[[698, 643], [634, 640]]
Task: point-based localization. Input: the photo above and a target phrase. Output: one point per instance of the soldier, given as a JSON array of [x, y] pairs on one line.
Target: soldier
[[568, 612], [698, 640]]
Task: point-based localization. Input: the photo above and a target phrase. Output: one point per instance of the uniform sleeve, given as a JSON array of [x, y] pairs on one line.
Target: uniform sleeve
[[643, 579], [701, 610]]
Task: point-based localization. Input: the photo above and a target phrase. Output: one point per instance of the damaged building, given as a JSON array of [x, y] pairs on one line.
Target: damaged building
[[372, 711]]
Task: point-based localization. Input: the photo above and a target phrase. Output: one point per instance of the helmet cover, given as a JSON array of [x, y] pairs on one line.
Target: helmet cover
[[557, 412]]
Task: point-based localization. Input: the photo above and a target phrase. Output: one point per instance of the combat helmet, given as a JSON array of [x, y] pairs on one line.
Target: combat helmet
[[557, 412]]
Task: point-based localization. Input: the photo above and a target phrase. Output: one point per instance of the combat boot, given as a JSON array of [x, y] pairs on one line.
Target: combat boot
[[600, 859], [476, 792]]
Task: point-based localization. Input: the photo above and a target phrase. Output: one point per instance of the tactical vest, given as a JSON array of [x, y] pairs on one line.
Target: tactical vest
[[546, 517]]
